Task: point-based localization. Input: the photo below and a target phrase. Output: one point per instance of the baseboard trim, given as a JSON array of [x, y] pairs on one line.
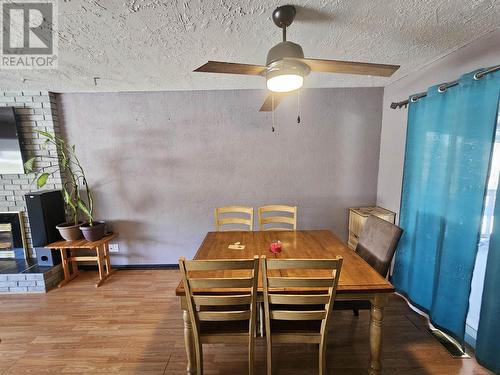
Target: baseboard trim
[[133, 266]]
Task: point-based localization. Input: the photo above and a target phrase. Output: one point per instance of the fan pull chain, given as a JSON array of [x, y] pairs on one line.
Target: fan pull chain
[[298, 106], [274, 114]]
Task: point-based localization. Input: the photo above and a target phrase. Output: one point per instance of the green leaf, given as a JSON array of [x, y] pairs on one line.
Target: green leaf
[[45, 144], [29, 166], [64, 162], [42, 180], [83, 206], [69, 200], [45, 134]]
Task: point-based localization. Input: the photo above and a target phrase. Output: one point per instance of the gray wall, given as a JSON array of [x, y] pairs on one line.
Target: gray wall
[[161, 161], [481, 53]]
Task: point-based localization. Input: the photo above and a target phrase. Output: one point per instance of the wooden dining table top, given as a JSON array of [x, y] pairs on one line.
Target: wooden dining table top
[[356, 276]]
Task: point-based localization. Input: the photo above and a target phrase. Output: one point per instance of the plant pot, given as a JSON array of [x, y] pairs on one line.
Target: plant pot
[[94, 232], [70, 232]]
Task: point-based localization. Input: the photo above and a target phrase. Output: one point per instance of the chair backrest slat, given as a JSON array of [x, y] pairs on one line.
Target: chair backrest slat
[[210, 300], [230, 264], [286, 264], [300, 282], [277, 219], [220, 316], [299, 299], [220, 282], [278, 208], [237, 215], [269, 215], [297, 315]]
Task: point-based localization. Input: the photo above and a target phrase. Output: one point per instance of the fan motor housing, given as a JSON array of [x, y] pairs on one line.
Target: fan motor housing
[[280, 60], [284, 49]]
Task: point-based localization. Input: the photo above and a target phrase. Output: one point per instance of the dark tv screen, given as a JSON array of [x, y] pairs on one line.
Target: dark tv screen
[[11, 159]]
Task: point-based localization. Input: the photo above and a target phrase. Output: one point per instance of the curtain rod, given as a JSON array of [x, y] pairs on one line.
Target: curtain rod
[[442, 88]]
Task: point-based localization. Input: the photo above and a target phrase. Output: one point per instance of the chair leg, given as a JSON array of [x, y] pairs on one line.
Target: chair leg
[[269, 361], [261, 319], [199, 360], [355, 312], [322, 358], [251, 357]]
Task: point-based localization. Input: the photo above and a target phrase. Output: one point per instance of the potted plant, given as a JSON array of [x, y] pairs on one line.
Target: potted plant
[[74, 176], [92, 230]]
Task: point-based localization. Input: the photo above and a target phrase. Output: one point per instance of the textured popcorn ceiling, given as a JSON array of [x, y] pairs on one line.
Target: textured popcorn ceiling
[[122, 45]]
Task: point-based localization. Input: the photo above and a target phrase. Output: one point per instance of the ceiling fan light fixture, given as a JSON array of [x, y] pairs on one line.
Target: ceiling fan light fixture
[[286, 75], [285, 82]]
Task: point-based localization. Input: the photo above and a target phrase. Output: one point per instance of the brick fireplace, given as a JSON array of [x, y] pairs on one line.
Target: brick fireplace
[[19, 271], [35, 110]]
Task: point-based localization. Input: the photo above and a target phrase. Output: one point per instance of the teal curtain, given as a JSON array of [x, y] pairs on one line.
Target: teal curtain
[[448, 149], [487, 341]]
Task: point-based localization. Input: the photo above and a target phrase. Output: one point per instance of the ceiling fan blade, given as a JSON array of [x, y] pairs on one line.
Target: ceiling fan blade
[[231, 68], [350, 67], [268, 103]]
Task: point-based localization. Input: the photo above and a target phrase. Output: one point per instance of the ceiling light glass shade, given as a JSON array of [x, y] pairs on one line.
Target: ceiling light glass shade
[[285, 82], [286, 75]]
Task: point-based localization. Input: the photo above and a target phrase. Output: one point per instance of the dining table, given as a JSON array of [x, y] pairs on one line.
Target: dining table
[[358, 280]]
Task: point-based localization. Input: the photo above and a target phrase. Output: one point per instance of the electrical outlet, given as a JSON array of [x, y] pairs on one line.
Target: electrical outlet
[[113, 248]]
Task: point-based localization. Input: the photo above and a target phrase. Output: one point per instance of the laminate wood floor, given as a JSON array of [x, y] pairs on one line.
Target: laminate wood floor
[[133, 325]]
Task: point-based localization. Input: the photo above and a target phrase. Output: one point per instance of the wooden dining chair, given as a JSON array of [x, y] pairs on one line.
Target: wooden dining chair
[[227, 315], [292, 317], [235, 217], [277, 217], [377, 244]]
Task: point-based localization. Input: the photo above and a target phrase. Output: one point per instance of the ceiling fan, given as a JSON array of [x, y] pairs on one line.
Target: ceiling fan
[[286, 66]]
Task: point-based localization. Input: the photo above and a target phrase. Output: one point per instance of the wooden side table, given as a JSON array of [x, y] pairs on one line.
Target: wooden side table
[[101, 249]]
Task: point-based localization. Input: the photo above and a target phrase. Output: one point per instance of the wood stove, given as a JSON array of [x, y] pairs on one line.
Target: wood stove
[[12, 236]]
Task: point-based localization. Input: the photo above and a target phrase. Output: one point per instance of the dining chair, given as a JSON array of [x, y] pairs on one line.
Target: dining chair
[[270, 219], [377, 244], [277, 217], [228, 316], [235, 217], [293, 317]]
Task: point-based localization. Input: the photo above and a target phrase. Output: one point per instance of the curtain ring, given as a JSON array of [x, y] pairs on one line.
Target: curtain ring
[[414, 98], [442, 88], [477, 76]]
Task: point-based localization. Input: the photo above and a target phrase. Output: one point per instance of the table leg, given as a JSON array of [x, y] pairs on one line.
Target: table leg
[[376, 317], [99, 254], [74, 263], [189, 343], [109, 271], [65, 265]]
